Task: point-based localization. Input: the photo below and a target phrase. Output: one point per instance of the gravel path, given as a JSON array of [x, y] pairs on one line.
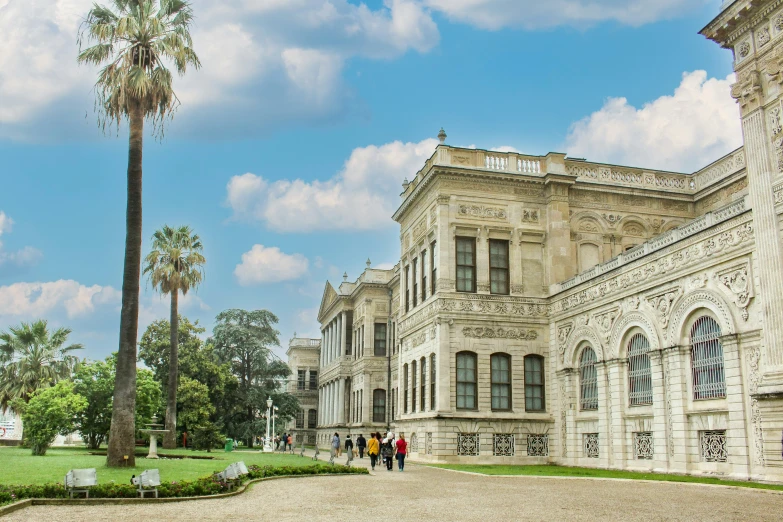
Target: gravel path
[[423, 493]]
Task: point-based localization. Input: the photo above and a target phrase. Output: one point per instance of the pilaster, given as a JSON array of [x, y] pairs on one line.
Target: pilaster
[[557, 184]]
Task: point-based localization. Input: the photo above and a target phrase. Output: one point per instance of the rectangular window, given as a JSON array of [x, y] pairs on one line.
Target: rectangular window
[[413, 387], [501, 382], [394, 338], [379, 406], [424, 270], [405, 389], [466, 381], [313, 380], [312, 417], [498, 266], [394, 403], [380, 340], [423, 383], [415, 283], [407, 289], [300, 420], [466, 264], [434, 258], [432, 382], [300, 379], [534, 383]]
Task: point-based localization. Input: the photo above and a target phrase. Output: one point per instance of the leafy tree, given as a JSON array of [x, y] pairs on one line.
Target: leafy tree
[[244, 340], [174, 265], [197, 361], [135, 39], [95, 382], [207, 436], [32, 357], [49, 412]]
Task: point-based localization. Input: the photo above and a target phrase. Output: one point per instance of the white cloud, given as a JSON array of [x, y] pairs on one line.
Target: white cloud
[[362, 196], [36, 300], [536, 14], [269, 265], [5, 223], [22, 258], [264, 62], [682, 132]]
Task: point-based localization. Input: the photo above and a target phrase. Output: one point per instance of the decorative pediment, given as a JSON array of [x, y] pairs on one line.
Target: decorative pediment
[[604, 322], [736, 282], [329, 297], [662, 303], [563, 333]]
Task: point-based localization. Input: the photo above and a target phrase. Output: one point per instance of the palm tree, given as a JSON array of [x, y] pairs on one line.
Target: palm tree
[[174, 265], [135, 39], [32, 357]]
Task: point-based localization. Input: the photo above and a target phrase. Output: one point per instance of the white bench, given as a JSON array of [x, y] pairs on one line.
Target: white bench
[[233, 473], [80, 480], [149, 478]]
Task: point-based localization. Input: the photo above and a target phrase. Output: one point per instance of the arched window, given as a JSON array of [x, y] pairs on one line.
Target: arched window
[[405, 389], [639, 376], [709, 379], [588, 380], [432, 382], [466, 381], [423, 383], [379, 406], [534, 383], [414, 375], [311, 419], [501, 381]]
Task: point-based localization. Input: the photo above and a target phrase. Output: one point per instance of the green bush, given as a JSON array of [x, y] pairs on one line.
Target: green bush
[[207, 437], [177, 489]]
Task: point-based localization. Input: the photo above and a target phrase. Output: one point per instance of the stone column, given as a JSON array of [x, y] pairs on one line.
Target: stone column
[[341, 402], [737, 434], [328, 346], [605, 430], [762, 168], [676, 367], [322, 353], [558, 244], [516, 282], [442, 373], [343, 334], [615, 401], [482, 261], [660, 411]]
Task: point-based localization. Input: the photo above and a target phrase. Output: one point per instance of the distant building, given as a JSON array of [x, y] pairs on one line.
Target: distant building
[[548, 309], [303, 357]]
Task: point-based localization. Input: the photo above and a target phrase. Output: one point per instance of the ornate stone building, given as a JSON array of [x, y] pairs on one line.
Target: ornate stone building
[[303, 359], [550, 309]]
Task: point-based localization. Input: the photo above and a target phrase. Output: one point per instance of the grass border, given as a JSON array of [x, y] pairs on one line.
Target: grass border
[[29, 502], [620, 479]]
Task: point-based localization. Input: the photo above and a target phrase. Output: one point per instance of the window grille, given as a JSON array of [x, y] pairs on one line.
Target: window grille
[[498, 266], [591, 445], [434, 258], [713, 446], [299, 420], [468, 444], [407, 289], [379, 406], [643, 445], [405, 389], [312, 419], [428, 444], [313, 380], [534, 383], [414, 445], [424, 270], [432, 382], [423, 384], [537, 445], [414, 385], [379, 348], [300, 379], [639, 375], [466, 264], [415, 274], [501, 381], [588, 378], [709, 380], [466, 381], [503, 445]]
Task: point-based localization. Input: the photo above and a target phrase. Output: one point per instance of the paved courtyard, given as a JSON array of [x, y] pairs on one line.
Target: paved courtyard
[[423, 493]]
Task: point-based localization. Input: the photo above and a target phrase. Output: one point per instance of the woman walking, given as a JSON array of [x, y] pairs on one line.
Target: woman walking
[[402, 450], [387, 450], [336, 445], [374, 448]]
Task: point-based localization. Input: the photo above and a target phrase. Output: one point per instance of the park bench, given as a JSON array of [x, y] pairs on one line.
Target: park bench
[[80, 480], [149, 478], [233, 474]]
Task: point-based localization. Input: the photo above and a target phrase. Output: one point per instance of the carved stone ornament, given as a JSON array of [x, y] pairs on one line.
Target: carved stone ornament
[[589, 226], [744, 49], [632, 303], [779, 195], [773, 65], [517, 289], [500, 333], [737, 282], [748, 87], [613, 218], [662, 305], [778, 23], [657, 224], [530, 216], [633, 229], [697, 282], [763, 37], [604, 322], [563, 333], [419, 229], [482, 212]]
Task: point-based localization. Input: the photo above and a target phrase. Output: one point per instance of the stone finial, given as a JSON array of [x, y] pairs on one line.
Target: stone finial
[[405, 184], [345, 276], [369, 263], [442, 136]]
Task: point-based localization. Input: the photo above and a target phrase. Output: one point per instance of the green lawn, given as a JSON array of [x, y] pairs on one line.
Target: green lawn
[[566, 471], [18, 466]]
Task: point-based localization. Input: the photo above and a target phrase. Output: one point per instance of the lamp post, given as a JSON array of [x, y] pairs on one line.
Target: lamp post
[[274, 418], [267, 445]]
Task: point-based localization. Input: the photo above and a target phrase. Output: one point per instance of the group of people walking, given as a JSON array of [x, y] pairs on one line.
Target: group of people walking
[[379, 449]]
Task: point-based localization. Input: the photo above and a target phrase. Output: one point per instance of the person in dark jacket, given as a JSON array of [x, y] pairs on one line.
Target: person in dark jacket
[[348, 444], [361, 443], [387, 450]]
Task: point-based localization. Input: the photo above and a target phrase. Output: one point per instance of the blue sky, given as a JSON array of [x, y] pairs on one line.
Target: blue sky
[[288, 151]]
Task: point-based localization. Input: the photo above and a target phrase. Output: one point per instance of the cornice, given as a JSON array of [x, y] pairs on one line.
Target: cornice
[[737, 19]]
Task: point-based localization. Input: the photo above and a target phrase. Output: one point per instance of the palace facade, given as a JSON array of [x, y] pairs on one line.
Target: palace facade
[[552, 309]]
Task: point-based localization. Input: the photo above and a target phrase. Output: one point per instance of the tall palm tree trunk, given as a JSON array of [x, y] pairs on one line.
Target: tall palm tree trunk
[[170, 439], [123, 427]]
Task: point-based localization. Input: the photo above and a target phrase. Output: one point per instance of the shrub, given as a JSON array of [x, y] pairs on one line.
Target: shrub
[[207, 437]]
